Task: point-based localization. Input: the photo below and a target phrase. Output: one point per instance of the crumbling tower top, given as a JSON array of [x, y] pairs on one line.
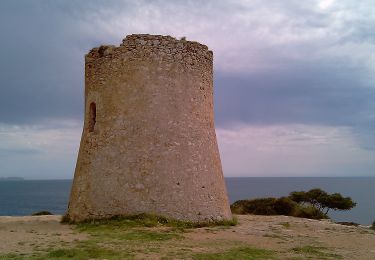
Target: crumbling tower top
[[163, 47]]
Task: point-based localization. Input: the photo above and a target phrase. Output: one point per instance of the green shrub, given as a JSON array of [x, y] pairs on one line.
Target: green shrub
[[42, 213], [276, 206], [308, 212], [265, 206], [65, 219], [313, 204], [284, 206], [373, 225], [262, 206]]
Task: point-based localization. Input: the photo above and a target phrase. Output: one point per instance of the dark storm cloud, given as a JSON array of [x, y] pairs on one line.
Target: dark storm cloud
[[293, 79], [42, 55], [40, 75], [41, 65], [307, 72], [305, 94]]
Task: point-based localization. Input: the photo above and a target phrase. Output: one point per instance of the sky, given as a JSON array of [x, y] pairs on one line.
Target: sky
[[294, 81]]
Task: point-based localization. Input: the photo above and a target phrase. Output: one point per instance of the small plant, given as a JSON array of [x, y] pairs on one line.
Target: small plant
[[373, 225], [42, 213], [318, 252], [236, 253], [65, 219], [81, 253], [285, 224]]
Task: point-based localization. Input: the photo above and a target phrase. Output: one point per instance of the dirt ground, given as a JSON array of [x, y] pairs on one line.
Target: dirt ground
[[29, 233], [286, 237]]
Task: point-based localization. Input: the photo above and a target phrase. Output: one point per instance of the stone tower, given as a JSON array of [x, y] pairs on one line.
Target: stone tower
[[149, 142]]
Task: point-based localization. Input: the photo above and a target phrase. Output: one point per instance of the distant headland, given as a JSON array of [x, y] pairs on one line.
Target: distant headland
[[12, 179]]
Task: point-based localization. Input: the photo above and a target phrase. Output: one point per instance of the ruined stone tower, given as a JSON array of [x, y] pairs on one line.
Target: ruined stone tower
[[149, 142]]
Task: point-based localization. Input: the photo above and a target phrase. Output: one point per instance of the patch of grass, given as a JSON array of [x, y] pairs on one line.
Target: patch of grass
[[275, 236], [148, 235], [117, 231], [149, 220], [79, 252], [83, 253], [11, 256], [320, 252], [123, 238], [239, 253], [113, 231]]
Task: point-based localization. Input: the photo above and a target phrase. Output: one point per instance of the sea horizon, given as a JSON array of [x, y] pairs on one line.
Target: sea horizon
[[226, 177], [27, 196]]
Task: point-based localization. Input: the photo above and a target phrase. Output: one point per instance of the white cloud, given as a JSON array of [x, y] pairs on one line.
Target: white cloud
[[244, 35], [50, 151], [40, 151], [325, 4], [293, 150]]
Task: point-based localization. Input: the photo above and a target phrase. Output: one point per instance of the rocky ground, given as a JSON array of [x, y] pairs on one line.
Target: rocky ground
[[255, 237]]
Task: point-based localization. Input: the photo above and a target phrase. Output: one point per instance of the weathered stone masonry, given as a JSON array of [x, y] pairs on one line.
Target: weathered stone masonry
[[149, 142]]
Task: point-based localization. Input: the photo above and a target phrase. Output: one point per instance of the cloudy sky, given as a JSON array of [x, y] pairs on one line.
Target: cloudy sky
[[294, 80]]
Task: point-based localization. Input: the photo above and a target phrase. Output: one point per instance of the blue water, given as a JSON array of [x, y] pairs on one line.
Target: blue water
[[19, 198]]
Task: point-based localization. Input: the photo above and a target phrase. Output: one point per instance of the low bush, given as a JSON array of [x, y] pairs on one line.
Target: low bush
[[313, 204], [262, 206], [65, 219], [285, 206], [308, 212], [346, 223], [276, 206], [42, 213], [265, 206], [373, 225]]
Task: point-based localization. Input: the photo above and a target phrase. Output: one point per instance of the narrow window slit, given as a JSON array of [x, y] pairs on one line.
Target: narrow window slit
[[92, 117]]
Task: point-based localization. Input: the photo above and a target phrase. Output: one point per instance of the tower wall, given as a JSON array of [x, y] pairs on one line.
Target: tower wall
[[149, 142]]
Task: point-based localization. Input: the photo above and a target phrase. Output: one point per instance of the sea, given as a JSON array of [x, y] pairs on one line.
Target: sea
[[22, 198]]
